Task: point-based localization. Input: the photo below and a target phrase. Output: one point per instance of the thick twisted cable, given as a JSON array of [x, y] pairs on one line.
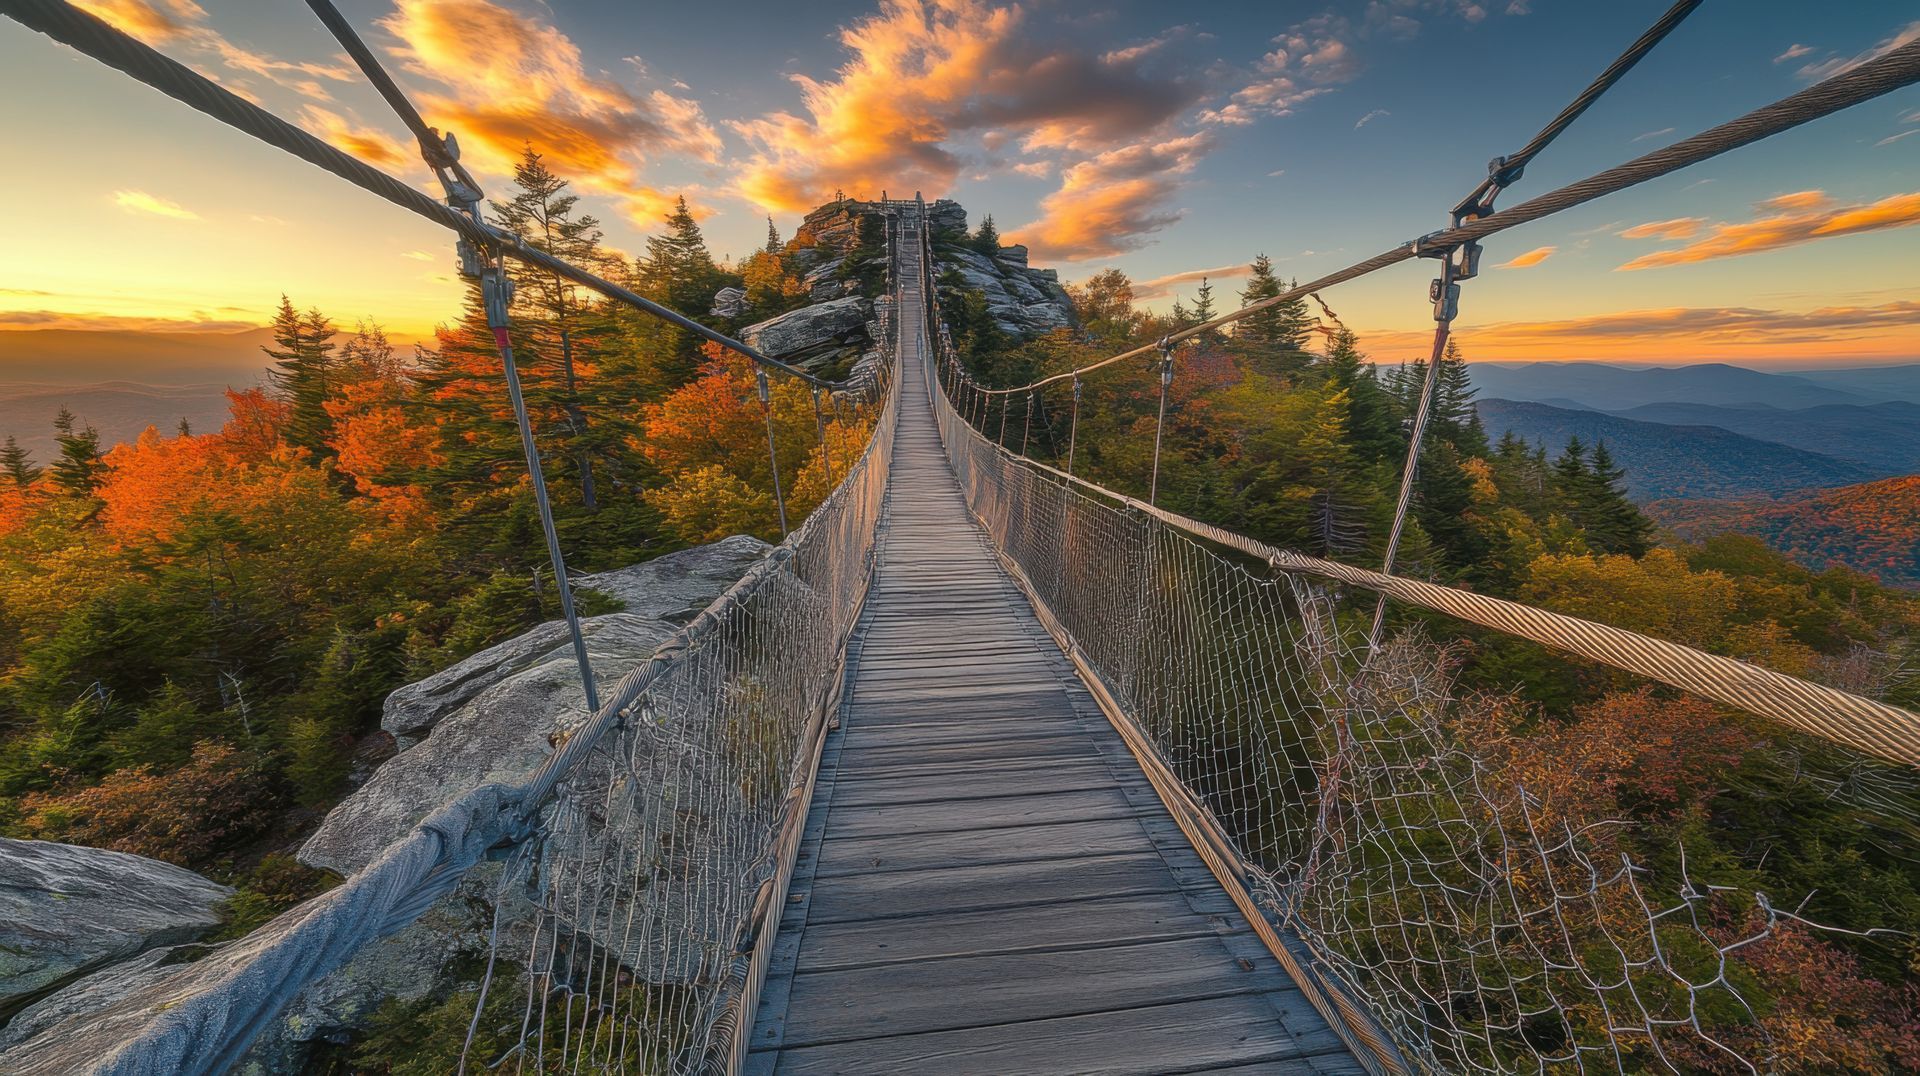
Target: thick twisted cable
[[1876, 728], [84, 32], [1875, 78]]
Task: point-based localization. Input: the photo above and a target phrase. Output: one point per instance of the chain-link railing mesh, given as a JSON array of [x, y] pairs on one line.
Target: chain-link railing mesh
[[1487, 925], [627, 925]]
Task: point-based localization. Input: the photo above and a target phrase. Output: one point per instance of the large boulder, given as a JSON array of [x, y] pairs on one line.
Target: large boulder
[[1023, 302], [729, 302], [65, 910], [674, 588], [500, 735], [813, 334]]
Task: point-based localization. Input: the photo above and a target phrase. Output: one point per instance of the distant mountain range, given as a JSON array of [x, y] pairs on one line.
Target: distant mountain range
[[1873, 527], [1884, 436], [1666, 461], [1604, 387], [97, 356], [119, 410]]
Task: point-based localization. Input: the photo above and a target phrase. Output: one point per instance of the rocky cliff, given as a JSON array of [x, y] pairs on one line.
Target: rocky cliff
[[836, 259]]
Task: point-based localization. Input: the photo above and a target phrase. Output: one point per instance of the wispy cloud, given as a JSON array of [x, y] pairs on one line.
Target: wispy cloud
[[508, 80], [370, 144], [1726, 324], [1835, 65], [1891, 139], [1661, 133], [1161, 287], [1677, 228], [1788, 220], [64, 319], [1794, 52], [1528, 260], [134, 201], [181, 24], [1377, 113]]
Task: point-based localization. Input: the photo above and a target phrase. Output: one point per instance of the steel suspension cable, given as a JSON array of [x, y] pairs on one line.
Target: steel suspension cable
[[92, 37], [1878, 77]]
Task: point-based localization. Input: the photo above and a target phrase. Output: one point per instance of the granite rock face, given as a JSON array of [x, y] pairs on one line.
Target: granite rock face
[[729, 303], [813, 335], [65, 909], [672, 588], [1023, 302]]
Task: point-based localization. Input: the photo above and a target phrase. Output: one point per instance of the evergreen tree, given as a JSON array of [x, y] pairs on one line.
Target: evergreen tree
[[1203, 308], [1373, 419], [987, 239], [17, 463], [1454, 417], [1614, 523], [302, 374], [78, 469], [678, 265], [773, 238], [542, 214]]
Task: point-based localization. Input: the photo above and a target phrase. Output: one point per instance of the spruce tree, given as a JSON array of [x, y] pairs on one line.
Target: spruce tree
[[17, 463], [1614, 524], [1373, 420], [78, 469], [1203, 302], [1454, 415], [302, 374], [773, 238], [987, 239], [678, 266]]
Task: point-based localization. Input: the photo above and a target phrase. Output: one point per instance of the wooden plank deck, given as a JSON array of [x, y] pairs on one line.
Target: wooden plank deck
[[988, 883]]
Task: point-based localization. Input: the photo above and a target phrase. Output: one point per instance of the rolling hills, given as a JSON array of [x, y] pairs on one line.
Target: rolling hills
[[1873, 526], [1664, 461]]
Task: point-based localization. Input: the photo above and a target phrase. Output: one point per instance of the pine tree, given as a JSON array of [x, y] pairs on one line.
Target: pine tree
[[1203, 302], [678, 266], [78, 469], [17, 463], [302, 354], [542, 213], [1454, 416], [987, 239], [773, 238], [1571, 479]]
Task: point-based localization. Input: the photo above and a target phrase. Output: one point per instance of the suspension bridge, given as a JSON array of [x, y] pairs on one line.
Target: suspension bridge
[[990, 769]]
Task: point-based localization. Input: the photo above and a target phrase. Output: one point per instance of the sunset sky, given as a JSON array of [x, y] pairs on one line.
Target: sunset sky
[[1167, 140]]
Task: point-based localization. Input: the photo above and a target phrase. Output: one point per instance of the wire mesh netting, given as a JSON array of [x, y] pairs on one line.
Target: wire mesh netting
[[1451, 883], [625, 927]]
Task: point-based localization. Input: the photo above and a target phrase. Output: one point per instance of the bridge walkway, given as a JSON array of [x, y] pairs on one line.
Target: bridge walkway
[[987, 882]]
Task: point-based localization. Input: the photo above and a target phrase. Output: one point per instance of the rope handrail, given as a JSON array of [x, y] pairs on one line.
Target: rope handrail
[[93, 37], [1875, 78], [1874, 727]]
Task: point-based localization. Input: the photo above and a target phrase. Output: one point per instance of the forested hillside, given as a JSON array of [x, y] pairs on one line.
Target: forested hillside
[[197, 628], [1874, 526], [1679, 460], [1283, 431]]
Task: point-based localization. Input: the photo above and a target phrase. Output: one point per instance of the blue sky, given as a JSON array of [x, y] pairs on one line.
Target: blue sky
[[1165, 140]]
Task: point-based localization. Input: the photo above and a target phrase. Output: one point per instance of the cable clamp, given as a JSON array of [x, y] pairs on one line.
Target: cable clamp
[[496, 294], [1446, 299]]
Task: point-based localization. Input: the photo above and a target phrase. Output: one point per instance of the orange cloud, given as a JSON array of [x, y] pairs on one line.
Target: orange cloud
[[1528, 260], [924, 73], [154, 23], [373, 146], [183, 23], [1108, 204], [508, 82], [1797, 218], [1677, 228]]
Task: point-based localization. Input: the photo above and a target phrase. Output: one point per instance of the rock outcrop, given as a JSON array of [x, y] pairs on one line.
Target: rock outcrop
[[816, 335], [493, 716], [1023, 302], [66, 909], [729, 303]]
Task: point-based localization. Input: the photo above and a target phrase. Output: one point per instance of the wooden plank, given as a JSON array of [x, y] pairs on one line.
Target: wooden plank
[[1152, 1040], [981, 887], [1056, 776], [977, 815], [973, 752], [1065, 839], [1077, 924], [976, 991]]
